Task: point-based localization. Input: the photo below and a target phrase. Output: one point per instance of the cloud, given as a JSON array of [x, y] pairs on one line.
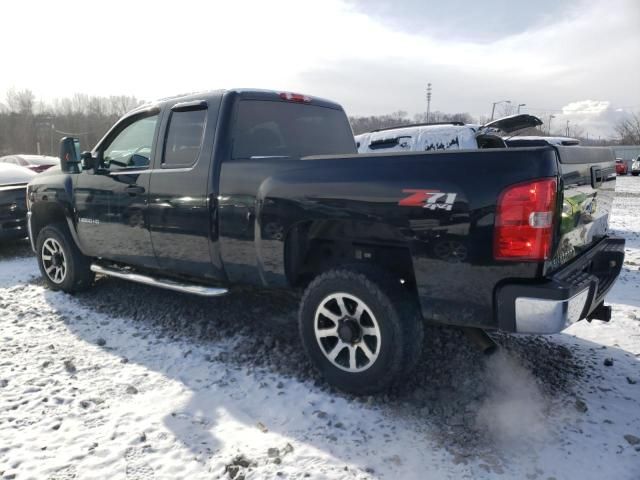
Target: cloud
[[586, 107], [584, 50], [545, 58], [592, 118], [480, 22]]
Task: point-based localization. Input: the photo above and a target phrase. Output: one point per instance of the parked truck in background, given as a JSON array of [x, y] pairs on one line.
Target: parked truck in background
[[204, 192]]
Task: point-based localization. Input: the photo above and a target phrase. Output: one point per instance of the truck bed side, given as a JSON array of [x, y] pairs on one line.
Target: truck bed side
[[340, 209]]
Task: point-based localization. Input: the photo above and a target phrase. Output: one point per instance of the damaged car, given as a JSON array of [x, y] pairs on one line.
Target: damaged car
[[444, 136], [13, 206]]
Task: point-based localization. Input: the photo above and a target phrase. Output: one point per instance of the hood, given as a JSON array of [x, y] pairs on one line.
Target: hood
[[14, 174], [513, 123]]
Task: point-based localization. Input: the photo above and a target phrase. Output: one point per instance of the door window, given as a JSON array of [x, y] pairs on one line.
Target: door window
[[131, 148], [184, 138]]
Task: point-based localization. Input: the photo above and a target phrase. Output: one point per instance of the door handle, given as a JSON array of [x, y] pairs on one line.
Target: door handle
[[134, 189]]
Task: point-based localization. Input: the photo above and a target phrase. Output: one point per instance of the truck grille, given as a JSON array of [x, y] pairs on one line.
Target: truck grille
[[13, 205]]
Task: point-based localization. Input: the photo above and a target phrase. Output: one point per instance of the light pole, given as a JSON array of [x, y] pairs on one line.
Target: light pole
[[428, 101], [567, 128], [551, 117], [521, 105], [493, 108]]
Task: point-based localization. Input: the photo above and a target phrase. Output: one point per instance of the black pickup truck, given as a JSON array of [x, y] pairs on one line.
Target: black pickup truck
[[202, 192]]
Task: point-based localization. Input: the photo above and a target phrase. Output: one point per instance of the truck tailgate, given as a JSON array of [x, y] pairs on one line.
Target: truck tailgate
[[587, 189]]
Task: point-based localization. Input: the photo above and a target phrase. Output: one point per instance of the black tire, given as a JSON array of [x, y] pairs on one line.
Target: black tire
[[398, 319], [77, 273]]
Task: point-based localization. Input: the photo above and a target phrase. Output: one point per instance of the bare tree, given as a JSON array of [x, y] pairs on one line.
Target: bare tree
[[121, 104], [374, 122], [30, 126], [629, 129], [20, 101], [438, 116], [400, 118]]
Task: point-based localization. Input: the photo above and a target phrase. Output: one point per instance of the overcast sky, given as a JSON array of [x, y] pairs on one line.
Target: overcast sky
[[579, 60]]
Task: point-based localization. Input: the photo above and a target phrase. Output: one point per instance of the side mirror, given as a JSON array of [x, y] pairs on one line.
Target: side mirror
[[69, 155], [87, 160]]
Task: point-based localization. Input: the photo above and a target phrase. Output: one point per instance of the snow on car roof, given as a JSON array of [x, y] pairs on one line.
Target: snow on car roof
[[426, 137], [38, 158]]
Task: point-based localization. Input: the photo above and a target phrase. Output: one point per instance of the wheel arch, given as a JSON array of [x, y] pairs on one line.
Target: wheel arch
[[314, 246], [48, 213]]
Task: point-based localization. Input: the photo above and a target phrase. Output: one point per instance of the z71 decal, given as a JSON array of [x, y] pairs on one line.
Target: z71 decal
[[431, 199]]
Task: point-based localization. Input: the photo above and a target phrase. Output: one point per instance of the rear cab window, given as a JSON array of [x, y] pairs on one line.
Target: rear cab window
[[183, 139], [279, 129]]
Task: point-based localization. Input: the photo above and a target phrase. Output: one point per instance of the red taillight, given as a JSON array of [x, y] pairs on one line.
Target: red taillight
[[295, 97], [524, 221]]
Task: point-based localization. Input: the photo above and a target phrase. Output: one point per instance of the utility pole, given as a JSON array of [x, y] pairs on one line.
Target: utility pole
[[493, 108], [428, 101], [551, 117], [567, 128], [521, 105]]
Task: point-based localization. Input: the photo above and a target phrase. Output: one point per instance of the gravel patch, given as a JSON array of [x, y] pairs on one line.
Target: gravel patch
[[447, 390]]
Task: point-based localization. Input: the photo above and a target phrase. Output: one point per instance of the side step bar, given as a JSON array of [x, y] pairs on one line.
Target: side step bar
[[159, 282]]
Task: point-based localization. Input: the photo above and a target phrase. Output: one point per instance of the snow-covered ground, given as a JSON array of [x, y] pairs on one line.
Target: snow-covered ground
[[129, 382]]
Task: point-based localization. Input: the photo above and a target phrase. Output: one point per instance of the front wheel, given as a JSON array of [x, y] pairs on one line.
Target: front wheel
[[61, 263], [360, 330]]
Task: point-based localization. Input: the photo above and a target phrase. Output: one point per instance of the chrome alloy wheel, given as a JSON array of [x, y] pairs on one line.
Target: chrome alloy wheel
[[347, 332], [53, 260]]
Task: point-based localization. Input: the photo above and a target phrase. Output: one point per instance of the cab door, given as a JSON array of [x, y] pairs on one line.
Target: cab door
[[111, 200], [180, 207]]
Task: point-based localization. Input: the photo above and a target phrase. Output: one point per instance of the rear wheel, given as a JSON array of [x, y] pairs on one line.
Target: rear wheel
[[62, 264], [360, 330]]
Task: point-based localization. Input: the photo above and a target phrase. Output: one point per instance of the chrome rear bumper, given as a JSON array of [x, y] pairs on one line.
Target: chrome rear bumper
[[536, 315], [574, 292]]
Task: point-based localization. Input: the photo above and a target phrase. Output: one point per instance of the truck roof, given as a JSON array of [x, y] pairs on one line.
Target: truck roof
[[244, 93]]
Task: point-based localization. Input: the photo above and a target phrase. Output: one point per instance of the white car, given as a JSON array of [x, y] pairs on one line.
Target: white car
[[36, 163], [635, 167]]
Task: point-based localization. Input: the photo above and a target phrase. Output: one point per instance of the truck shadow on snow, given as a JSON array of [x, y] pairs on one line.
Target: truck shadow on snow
[[255, 372]]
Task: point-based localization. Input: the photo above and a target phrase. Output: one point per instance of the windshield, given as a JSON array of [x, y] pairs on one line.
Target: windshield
[[285, 129]]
